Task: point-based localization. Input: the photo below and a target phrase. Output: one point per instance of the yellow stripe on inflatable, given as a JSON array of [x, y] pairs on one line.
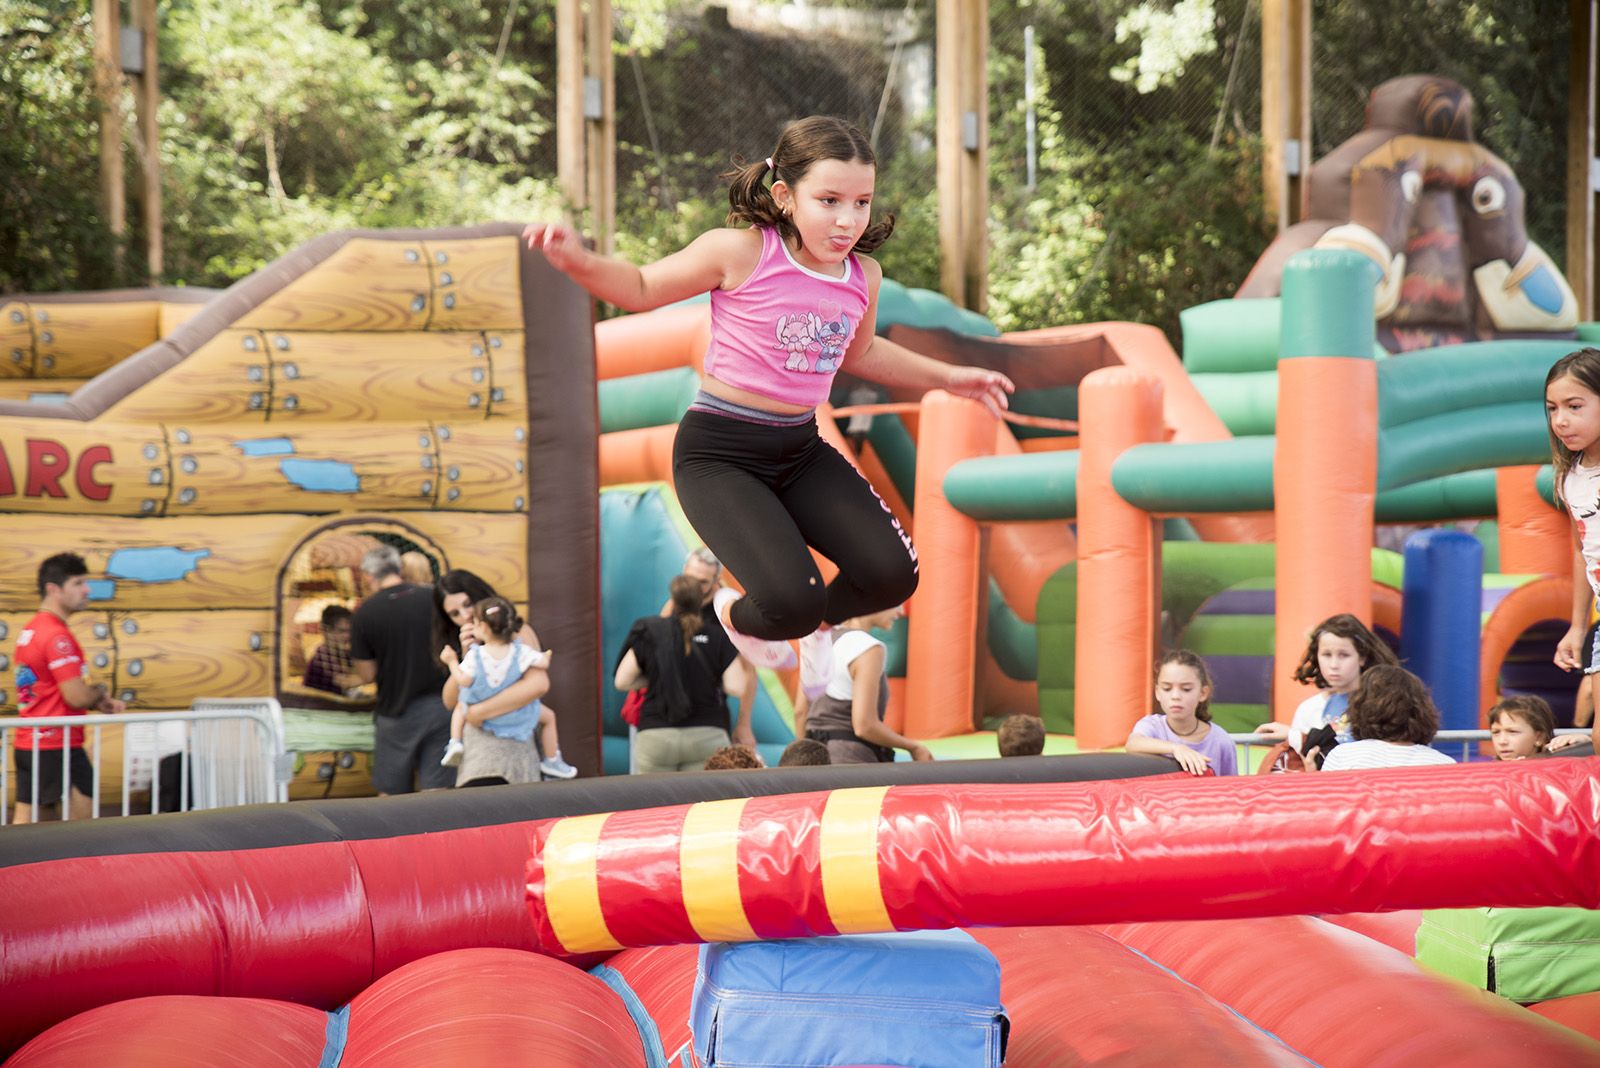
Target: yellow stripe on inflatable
[[850, 883], [709, 862], [572, 886]]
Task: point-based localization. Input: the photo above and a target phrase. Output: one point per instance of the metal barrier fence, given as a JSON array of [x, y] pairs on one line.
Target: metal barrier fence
[[231, 752], [1460, 744]]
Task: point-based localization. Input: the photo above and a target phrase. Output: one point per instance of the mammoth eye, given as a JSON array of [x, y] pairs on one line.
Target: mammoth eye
[[1411, 186], [1488, 196]]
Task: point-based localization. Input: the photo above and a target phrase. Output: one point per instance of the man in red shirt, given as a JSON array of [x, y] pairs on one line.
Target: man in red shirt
[[52, 680]]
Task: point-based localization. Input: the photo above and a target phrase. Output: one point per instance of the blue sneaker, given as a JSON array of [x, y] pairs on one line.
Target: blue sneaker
[[553, 767]]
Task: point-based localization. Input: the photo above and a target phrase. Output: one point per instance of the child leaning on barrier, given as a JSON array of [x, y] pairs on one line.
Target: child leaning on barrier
[[1182, 729]]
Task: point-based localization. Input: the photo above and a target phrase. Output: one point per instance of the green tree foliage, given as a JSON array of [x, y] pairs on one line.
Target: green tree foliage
[[53, 233], [285, 119]]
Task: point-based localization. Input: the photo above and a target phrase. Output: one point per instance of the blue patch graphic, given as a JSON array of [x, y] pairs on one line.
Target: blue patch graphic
[[162, 563], [25, 677], [321, 476], [1541, 288], [102, 589], [266, 447]]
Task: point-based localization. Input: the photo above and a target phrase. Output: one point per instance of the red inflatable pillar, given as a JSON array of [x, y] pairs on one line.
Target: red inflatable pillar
[[1118, 587], [1325, 474]]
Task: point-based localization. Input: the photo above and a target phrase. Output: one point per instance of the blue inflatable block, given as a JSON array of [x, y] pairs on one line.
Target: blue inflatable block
[[919, 999]]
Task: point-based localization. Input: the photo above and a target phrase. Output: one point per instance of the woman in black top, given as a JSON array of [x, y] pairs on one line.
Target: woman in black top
[[689, 669]]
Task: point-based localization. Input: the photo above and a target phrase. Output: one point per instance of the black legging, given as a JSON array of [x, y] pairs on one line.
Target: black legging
[[759, 495]]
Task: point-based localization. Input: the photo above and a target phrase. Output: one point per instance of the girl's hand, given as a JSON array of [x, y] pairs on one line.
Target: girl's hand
[[1191, 760], [921, 753], [448, 657], [559, 242], [469, 635], [1569, 653], [1278, 732], [991, 388]]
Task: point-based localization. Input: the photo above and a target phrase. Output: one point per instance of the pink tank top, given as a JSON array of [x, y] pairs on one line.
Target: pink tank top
[[783, 332]]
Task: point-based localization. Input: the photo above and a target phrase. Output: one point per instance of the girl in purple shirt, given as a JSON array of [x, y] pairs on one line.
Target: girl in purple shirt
[[1183, 729], [793, 298]]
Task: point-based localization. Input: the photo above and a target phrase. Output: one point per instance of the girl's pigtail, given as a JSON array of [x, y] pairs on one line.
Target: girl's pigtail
[[750, 200], [875, 235]]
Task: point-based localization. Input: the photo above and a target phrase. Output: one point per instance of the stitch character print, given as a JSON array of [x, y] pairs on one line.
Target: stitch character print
[[797, 335], [833, 334]]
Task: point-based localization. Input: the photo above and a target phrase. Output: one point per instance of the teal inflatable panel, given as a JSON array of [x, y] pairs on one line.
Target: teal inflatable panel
[[892, 442], [1013, 641], [1231, 336], [656, 399], [1465, 495], [1041, 485], [1545, 482], [929, 310], [1196, 478], [1493, 435], [1460, 378]]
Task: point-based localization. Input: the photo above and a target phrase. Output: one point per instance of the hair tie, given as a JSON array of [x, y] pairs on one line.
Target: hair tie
[[770, 167]]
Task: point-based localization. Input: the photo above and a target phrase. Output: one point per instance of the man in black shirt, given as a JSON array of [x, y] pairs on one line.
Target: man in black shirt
[[390, 642]]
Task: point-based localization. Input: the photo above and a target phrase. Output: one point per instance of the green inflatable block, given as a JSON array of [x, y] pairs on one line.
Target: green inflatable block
[[1247, 401], [1231, 335], [1525, 955], [1057, 625]]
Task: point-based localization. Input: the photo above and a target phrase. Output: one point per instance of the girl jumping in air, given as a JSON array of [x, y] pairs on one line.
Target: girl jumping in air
[[793, 299]]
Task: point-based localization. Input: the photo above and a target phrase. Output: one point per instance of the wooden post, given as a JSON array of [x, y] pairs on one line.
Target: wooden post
[[601, 129], [947, 144], [975, 179], [1285, 106], [149, 100], [1581, 272], [107, 23], [962, 143], [569, 104]]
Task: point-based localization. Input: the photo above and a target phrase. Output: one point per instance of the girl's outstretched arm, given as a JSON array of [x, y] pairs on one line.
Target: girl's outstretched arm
[[714, 260], [880, 360]]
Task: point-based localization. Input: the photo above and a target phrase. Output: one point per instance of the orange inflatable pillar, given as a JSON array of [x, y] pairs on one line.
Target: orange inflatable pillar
[[1117, 563], [942, 647], [1535, 538], [1325, 474]]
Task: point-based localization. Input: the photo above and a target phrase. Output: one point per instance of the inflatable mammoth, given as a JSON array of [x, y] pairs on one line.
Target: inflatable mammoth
[[1442, 217]]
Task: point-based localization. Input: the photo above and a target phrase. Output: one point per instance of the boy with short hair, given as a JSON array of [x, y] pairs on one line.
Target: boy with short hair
[[1021, 735], [53, 680], [329, 668]]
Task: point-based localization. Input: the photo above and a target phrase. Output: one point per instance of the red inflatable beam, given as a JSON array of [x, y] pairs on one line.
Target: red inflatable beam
[[1345, 1001], [934, 857]]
